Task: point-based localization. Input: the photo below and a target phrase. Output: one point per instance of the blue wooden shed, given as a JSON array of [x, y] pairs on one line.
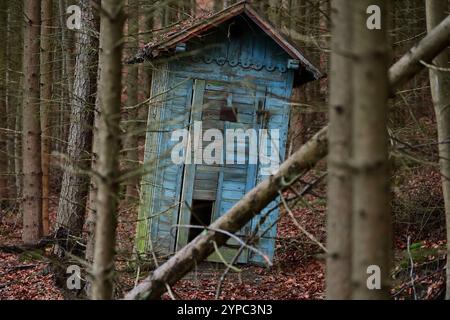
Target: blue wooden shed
[[228, 70]]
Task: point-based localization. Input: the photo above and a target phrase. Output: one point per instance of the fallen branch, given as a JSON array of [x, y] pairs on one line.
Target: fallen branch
[[242, 212], [259, 197], [299, 226]]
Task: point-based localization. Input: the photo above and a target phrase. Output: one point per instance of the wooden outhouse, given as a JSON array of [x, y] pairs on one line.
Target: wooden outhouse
[[228, 70]]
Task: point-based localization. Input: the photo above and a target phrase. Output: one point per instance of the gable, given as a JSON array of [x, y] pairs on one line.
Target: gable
[[239, 43], [168, 43]]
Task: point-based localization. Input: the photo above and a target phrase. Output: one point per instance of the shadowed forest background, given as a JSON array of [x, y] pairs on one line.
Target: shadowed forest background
[[73, 125]]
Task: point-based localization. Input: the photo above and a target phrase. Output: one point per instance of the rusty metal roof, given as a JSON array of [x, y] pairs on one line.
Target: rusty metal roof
[[188, 29]]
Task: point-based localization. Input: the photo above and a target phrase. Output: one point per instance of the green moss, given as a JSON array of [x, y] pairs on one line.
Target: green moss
[[420, 254]]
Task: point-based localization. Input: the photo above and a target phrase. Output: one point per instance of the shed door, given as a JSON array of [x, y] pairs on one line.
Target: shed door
[[210, 190]]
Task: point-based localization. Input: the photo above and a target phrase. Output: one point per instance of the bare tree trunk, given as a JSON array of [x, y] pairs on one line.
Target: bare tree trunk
[[18, 143], [371, 213], [67, 71], [145, 72], [31, 147], [274, 9], [324, 26], [218, 5], [339, 203], [14, 48], [75, 184], [131, 141], [412, 62], [440, 90], [11, 99], [91, 204], [67, 61], [92, 197], [3, 115], [46, 97], [109, 145]]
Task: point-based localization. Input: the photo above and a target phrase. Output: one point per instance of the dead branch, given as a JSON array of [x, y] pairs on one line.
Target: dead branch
[[259, 197]]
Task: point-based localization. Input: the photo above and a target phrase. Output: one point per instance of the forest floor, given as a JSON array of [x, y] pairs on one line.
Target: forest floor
[[298, 271]]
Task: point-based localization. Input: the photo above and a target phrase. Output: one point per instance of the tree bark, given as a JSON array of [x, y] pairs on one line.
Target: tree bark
[[66, 44], [109, 146], [11, 95], [218, 5], [92, 197], [3, 115], [339, 190], [46, 102], [372, 235], [410, 63], [149, 22], [31, 147], [75, 184], [91, 204], [440, 91], [306, 157], [67, 60], [131, 141], [16, 27]]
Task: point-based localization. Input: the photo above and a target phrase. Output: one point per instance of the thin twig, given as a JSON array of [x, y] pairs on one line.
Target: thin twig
[[298, 225]]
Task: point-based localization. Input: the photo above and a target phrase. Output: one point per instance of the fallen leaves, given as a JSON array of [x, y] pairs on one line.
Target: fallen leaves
[[25, 281]]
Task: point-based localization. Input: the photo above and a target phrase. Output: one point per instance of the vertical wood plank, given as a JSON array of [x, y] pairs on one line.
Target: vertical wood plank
[[189, 169], [159, 85]]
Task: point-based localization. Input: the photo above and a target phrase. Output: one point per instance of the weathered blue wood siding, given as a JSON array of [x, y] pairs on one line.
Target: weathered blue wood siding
[[244, 66]]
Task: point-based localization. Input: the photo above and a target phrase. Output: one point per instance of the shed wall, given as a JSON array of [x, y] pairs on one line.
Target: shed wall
[[251, 61]]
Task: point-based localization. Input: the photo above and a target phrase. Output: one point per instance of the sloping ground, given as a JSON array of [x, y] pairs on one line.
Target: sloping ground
[[24, 278], [26, 275], [418, 210], [298, 271]]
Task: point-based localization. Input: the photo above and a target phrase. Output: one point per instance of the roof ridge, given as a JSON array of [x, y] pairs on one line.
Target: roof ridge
[[186, 29]]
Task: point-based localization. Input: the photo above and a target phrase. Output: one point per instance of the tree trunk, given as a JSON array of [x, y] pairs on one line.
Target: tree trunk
[[15, 26], [371, 213], [75, 184], [67, 70], [91, 203], [3, 115], [11, 95], [440, 91], [131, 141], [92, 197], [150, 22], [46, 97], [18, 143], [324, 28], [109, 146], [339, 202], [218, 5], [31, 147]]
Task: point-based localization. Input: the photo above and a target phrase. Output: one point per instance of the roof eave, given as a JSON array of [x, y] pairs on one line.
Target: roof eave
[[221, 17]]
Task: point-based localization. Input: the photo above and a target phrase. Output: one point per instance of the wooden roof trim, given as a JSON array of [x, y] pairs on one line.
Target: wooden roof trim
[[222, 16], [217, 19], [292, 50]]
